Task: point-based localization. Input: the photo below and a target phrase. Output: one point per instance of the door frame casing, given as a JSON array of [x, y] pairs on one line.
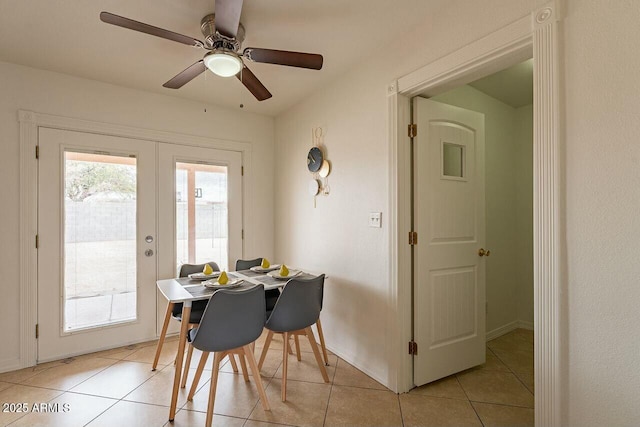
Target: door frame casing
[[30, 122], [532, 36]]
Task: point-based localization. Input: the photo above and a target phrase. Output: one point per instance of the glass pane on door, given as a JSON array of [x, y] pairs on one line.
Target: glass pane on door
[[99, 240], [202, 226]]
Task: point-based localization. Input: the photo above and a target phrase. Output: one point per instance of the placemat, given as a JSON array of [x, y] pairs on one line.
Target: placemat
[[268, 280], [184, 281], [203, 291], [251, 273]]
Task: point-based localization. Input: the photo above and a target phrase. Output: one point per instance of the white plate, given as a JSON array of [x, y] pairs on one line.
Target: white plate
[[215, 285], [259, 269], [202, 276], [292, 274]]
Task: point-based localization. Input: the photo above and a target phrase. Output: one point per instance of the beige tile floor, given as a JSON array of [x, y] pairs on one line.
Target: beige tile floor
[[117, 388]]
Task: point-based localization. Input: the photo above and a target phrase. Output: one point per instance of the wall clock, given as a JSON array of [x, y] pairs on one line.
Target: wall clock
[[314, 159]]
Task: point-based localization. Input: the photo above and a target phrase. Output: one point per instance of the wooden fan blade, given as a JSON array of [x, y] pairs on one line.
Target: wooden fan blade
[[228, 17], [252, 83], [186, 76], [284, 57], [123, 22]]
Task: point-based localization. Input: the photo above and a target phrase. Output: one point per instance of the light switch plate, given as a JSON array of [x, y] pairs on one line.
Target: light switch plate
[[375, 219]]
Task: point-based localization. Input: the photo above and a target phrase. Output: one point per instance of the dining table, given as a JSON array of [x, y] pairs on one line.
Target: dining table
[[186, 290]]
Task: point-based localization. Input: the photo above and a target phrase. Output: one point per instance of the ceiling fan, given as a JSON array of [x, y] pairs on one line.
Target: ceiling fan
[[223, 35]]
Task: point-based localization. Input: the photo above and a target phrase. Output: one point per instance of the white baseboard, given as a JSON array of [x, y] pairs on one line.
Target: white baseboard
[[511, 326], [357, 363], [8, 365], [523, 324]]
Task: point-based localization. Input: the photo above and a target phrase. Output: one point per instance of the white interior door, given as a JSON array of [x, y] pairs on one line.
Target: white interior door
[[96, 278], [200, 206], [449, 216]]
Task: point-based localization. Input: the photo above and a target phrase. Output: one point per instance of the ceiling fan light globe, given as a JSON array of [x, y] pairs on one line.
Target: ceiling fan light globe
[[223, 64]]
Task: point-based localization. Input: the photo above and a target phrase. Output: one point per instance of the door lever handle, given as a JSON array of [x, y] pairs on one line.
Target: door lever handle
[[482, 252]]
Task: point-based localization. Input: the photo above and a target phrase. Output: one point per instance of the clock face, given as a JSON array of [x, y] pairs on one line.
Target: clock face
[[314, 159]]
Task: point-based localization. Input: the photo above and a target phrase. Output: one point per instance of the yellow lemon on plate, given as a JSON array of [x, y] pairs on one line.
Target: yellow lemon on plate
[[284, 271], [265, 263], [223, 279], [207, 269]]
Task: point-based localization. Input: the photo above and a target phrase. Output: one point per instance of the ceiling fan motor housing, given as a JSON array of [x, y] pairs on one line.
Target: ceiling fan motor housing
[[214, 40]]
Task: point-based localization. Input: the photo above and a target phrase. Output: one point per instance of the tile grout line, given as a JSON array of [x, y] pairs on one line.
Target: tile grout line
[[512, 372], [271, 378], [122, 398], [63, 392], [400, 406], [326, 410], [469, 400]]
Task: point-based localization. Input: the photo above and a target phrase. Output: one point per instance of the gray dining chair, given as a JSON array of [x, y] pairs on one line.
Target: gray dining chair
[[297, 309], [174, 310], [270, 295], [232, 321]]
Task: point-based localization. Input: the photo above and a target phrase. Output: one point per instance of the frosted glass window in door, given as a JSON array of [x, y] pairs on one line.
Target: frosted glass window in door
[[201, 214], [452, 160]]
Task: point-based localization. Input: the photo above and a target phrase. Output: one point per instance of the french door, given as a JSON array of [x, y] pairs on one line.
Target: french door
[[200, 211], [114, 215], [96, 265]]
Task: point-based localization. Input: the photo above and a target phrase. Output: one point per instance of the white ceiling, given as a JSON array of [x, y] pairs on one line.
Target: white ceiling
[[68, 37], [513, 86]]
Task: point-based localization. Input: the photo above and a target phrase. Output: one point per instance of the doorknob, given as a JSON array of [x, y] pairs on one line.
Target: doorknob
[[482, 252], [148, 252]]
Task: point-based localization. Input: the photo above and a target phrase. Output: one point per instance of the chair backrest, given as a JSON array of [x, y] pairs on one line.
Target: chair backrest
[[188, 269], [185, 270], [298, 306], [245, 264], [232, 319]]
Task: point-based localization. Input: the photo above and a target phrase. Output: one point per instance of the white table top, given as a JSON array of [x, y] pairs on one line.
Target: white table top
[[174, 290]]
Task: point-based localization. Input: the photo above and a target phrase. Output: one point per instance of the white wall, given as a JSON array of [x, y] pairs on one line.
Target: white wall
[[508, 155], [57, 94], [601, 159], [524, 212], [602, 173], [334, 237]]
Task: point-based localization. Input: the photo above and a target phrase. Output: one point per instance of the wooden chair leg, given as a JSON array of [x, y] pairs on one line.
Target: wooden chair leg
[[196, 377], [234, 366], [322, 345], [245, 373], [267, 343], [285, 357], [288, 343], [163, 334], [256, 374], [297, 341], [187, 363], [212, 389], [316, 353]]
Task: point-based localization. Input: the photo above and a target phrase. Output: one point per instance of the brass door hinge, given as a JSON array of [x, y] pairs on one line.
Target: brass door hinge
[[413, 238], [37, 151], [37, 242], [413, 348], [37, 331], [241, 170], [413, 130]]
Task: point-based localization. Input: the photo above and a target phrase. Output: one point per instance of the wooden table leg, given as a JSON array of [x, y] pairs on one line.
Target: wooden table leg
[[184, 328], [163, 334]]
